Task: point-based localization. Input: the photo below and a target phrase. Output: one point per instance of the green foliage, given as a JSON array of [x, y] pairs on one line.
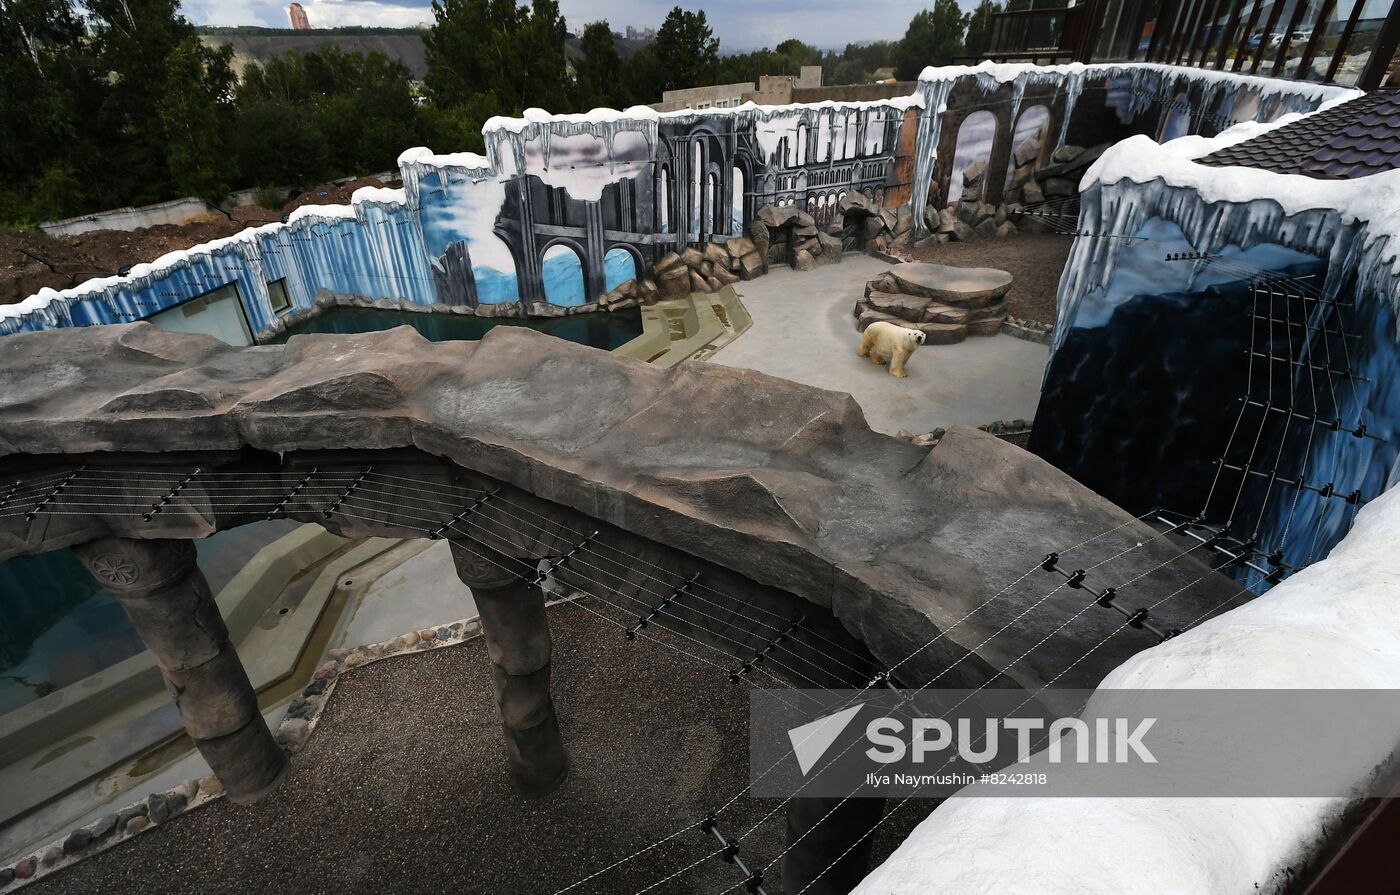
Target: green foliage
[[117, 102], [598, 76], [686, 52], [269, 197], [307, 117], [497, 55], [934, 37]]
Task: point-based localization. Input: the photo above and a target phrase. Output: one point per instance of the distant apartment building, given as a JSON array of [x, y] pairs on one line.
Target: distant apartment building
[[772, 90], [634, 33], [297, 14]]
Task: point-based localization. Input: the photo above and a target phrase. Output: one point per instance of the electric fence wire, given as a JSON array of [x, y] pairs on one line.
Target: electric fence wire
[[387, 518]]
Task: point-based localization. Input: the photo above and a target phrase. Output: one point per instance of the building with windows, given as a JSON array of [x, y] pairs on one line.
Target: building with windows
[[1350, 43], [297, 14]]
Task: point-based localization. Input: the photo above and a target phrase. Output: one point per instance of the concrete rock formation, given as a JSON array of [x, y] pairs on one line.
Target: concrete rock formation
[[947, 304], [779, 482]]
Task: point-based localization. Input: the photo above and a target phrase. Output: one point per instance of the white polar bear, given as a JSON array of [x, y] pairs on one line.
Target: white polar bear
[[890, 342]]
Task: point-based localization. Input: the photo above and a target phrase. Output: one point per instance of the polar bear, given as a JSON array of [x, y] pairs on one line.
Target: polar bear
[[889, 341]]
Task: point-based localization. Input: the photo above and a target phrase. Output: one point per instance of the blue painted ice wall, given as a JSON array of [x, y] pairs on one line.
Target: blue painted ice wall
[[386, 243], [1150, 354], [370, 247], [1132, 89]]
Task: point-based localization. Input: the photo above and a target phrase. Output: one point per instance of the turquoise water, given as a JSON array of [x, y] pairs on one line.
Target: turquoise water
[[604, 330], [57, 625]]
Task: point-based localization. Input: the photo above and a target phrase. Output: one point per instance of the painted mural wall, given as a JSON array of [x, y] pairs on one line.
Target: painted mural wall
[[1226, 346], [561, 209]]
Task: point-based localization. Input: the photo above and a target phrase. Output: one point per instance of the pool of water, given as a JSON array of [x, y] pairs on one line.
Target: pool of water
[[602, 330], [57, 625]]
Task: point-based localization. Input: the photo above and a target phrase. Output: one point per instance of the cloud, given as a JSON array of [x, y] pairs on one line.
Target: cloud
[[740, 24]]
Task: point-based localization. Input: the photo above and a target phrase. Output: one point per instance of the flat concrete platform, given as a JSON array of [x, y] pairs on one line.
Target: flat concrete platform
[[803, 330]]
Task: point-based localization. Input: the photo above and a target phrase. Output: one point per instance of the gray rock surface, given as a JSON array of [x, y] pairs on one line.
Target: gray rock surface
[[929, 554], [958, 286]]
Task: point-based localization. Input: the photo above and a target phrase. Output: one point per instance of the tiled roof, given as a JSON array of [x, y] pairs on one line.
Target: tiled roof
[[1353, 139]]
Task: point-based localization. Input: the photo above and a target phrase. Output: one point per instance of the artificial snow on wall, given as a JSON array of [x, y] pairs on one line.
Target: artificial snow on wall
[[563, 206], [1287, 296], [1332, 626]]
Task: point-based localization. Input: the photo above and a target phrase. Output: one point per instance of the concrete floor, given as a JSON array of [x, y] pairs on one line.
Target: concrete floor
[[422, 592], [803, 330]]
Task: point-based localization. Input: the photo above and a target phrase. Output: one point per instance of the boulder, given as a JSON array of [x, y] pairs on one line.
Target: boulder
[[751, 266], [803, 260], [1022, 174], [1067, 153], [717, 254], [1075, 166], [776, 216], [812, 246], [995, 311], [988, 227], [911, 308], [904, 219], [1026, 153], [961, 232], [889, 218], [967, 213], [946, 219], [674, 282], [725, 277], [706, 268], [942, 333], [697, 283], [1000, 216], [738, 247], [974, 173], [853, 201], [831, 246], [1006, 228], [1060, 186], [692, 257], [1031, 193], [668, 261], [971, 194], [713, 285], [963, 287], [983, 328], [937, 312]]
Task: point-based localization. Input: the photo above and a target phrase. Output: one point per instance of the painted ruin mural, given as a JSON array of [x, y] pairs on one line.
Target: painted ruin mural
[[562, 209]]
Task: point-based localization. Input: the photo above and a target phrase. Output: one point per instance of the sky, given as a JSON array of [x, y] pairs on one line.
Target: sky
[[739, 24]]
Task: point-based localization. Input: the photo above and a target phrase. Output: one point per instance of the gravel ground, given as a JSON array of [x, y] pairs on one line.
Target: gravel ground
[[402, 788], [1034, 260]]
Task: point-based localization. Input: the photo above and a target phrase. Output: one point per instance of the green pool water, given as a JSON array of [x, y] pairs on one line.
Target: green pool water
[[603, 330]]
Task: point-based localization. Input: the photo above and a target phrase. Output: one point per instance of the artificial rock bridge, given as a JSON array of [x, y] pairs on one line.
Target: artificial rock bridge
[[801, 533]]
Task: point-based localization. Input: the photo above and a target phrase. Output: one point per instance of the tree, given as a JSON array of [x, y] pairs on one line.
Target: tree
[[313, 116], [598, 79], [494, 55], [934, 37], [196, 112], [47, 91], [979, 27], [686, 52]]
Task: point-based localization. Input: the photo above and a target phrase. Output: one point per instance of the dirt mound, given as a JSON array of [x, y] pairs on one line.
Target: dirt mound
[[31, 261], [334, 194]]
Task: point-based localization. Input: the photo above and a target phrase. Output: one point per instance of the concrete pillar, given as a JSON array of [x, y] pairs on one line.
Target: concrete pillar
[[168, 601], [828, 827], [518, 642]]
